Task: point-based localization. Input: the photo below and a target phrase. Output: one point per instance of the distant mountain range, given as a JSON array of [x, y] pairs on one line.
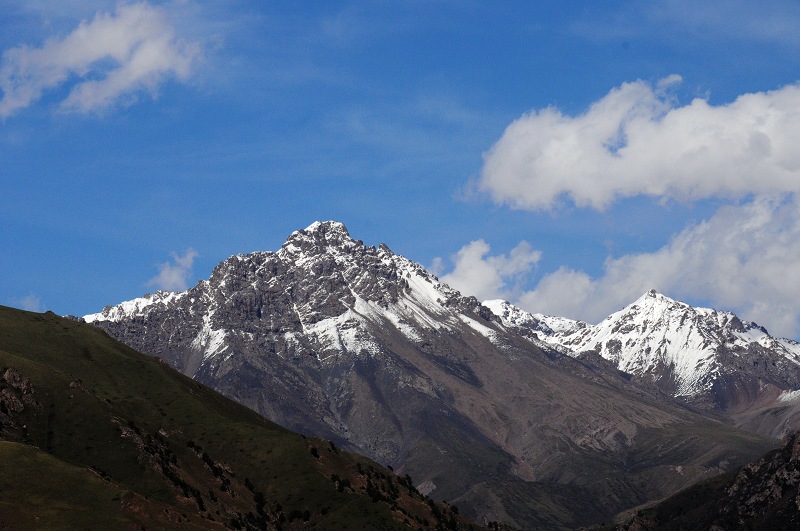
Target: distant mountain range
[[511, 416]]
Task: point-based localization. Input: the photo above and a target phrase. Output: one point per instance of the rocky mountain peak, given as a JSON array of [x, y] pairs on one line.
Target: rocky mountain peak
[[319, 238], [321, 285], [326, 233], [329, 242], [654, 302]]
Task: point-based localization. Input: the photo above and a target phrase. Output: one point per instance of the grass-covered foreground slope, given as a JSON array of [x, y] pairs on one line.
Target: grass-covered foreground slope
[[94, 435]]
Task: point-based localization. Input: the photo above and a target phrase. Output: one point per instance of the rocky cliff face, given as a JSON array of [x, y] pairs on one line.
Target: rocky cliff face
[[764, 494], [16, 394], [706, 357], [353, 343], [768, 490]]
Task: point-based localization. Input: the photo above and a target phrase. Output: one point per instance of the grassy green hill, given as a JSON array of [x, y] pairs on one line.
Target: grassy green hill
[[94, 435]]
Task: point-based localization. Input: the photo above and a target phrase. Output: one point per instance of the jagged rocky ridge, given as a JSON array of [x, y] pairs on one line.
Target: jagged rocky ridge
[[354, 343], [709, 358]]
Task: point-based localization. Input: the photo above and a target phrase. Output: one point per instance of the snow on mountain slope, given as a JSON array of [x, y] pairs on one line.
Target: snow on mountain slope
[[547, 325], [663, 339], [370, 297]]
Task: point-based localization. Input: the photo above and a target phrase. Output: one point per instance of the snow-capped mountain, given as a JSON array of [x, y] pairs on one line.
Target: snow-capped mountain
[[330, 290], [354, 343], [695, 353]]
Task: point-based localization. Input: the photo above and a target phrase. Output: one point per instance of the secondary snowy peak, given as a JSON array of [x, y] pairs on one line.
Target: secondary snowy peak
[[656, 335], [684, 349], [664, 322], [515, 316]]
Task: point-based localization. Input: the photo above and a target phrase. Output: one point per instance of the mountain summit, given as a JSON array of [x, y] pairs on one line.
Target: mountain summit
[[317, 296], [354, 343]]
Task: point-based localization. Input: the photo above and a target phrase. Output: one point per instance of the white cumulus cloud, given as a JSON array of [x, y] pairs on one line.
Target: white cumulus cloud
[[637, 141], [102, 61], [174, 276], [488, 277], [743, 259]]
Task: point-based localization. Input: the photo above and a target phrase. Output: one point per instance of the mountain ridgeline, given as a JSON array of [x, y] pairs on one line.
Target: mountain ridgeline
[[522, 419]]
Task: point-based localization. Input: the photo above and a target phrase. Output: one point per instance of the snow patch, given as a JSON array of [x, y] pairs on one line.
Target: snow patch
[[478, 327], [789, 396], [208, 340]]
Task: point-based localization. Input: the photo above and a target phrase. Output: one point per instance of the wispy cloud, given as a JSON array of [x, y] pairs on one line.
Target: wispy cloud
[[766, 21], [175, 275], [30, 302], [102, 62], [636, 141]]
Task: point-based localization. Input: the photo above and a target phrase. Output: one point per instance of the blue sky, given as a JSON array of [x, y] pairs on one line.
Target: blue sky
[[564, 156]]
